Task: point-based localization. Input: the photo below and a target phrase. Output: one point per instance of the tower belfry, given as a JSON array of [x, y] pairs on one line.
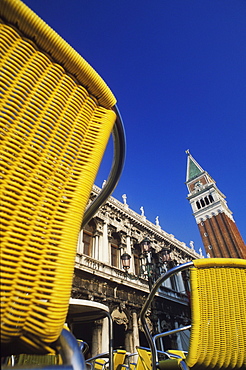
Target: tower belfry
[[219, 232]]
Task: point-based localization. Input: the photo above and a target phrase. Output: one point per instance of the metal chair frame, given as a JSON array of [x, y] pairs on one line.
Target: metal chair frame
[[206, 278], [94, 311], [70, 353], [119, 140], [147, 304]]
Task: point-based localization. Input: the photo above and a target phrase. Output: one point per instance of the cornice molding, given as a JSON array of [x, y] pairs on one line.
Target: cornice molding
[[136, 225]]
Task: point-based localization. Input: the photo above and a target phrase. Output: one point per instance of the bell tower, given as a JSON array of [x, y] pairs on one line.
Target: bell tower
[[219, 232]]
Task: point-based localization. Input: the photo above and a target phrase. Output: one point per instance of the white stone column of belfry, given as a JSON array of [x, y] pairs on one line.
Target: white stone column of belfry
[[129, 251], [80, 245], [96, 346], [135, 331], [104, 248], [105, 335]]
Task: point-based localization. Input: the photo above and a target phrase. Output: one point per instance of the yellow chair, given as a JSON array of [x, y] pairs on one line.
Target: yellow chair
[[144, 361], [118, 358], [99, 364], [56, 117], [218, 309], [131, 361], [100, 361]]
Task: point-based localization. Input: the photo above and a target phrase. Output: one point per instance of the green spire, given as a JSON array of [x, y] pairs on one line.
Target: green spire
[[194, 171], [193, 168]]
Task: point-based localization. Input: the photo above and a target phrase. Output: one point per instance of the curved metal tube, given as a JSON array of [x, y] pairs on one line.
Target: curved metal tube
[[148, 301], [70, 352], [118, 134]]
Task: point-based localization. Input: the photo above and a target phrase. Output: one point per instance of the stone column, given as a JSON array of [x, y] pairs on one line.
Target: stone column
[[135, 330], [96, 346], [129, 251], [129, 342], [179, 342], [167, 283], [104, 248], [80, 245], [180, 282], [160, 340], [105, 335], [95, 254], [133, 338]]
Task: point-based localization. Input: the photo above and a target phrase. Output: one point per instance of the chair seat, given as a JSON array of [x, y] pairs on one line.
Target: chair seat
[[172, 364]]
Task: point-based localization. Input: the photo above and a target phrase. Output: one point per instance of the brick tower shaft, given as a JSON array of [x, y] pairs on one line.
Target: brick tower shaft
[[219, 232]]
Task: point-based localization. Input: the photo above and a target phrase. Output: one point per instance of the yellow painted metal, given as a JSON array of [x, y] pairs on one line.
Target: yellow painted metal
[[99, 364], [218, 336], [144, 361], [119, 358], [219, 262], [176, 352], [54, 131]]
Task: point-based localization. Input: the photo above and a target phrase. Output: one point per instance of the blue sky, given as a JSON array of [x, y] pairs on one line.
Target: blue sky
[[178, 71]]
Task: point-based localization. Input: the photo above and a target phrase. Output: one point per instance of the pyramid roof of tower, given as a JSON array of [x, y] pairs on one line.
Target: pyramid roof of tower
[[193, 168]]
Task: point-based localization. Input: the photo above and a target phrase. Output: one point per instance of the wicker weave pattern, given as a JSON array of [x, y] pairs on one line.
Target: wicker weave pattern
[[218, 337], [34, 28], [53, 136]]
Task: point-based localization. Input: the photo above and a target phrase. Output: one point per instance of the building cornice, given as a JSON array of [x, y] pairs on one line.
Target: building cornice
[[146, 226], [117, 276]]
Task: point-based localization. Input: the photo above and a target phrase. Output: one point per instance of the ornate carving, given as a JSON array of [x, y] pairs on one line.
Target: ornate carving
[[149, 324], [165, 325], [120, 317]]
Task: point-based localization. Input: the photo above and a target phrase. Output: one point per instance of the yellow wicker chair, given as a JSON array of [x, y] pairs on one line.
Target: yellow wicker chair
[[56, 117], [100, 361], [218, 321]]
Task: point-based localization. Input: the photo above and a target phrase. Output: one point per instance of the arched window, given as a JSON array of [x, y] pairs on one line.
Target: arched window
[[206, 200], [136, 256], [198, 205], [115, 251], [88, 232], [202, 203], [211, 198]]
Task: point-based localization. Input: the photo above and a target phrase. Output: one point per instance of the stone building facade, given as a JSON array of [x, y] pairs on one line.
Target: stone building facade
[[99, 276]]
